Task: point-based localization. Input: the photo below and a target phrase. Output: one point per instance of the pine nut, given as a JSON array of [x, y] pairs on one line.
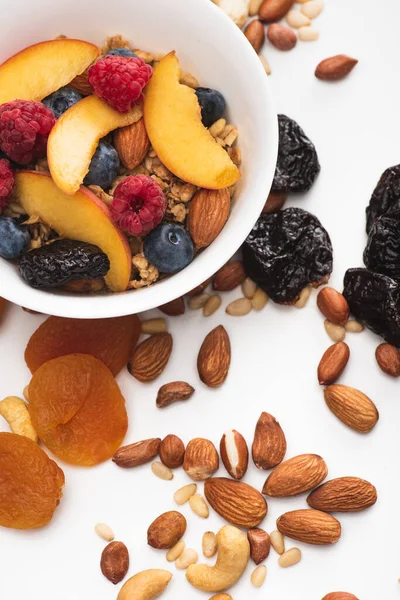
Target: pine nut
[[308, 34], [26, 393], [188, 557], [296, 19], [277, 541], [212, 305], [303, 297], [312, 9], [199, 506], [289, 558], [153, 326], [259, 300], [217, 128], [162, 471], [351, 325], [239, 307], [104, 531], [337, 333], [175, 552], [209, 544], [254, 7], [265, 64], [184, 493], [198, 301], [258, 575], [249, 288]]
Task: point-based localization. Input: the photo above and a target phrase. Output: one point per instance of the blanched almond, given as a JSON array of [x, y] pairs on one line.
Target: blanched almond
[[234, 453]]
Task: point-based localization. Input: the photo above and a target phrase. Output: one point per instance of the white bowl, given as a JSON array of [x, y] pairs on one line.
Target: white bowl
[[212, 47]]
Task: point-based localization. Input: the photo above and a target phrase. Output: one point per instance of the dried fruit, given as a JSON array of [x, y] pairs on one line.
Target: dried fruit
[[289, 558], [150, 358], [295, 476], [274, 10], [229, 276], [114, 562], [352, 407], [166, 530], [109, 340], [386, 196], [287, 251], [234, 453], [283, 38], [132, 143], [31, 483], [138, 453], [269, 444], [201, 459], [255, 34], [172, 451], [209, 211], [88, 422], [173, 392], [344, 494], [388, 359], [235, 501], [333, 363], [335, 67], [333, 306], [382, 253], [310, 526], [214, 357], [260, 544], [174, 308]]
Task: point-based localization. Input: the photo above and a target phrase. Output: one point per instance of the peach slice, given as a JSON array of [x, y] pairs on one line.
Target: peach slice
[[173, 121], [82, 217], [75, 136], [43, 68]]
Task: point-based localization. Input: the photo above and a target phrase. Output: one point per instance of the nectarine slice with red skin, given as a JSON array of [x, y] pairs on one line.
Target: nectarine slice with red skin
[[75, 137], [83, 217], [172, 117], [43, 68]]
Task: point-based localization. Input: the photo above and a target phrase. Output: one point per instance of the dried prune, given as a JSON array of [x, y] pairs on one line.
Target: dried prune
[[286, 251], [374, 299], [382, 253], [62, 261], [386, 195], [297, 165], [30, 483]]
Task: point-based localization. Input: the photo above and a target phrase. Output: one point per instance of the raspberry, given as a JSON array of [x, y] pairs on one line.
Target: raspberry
[[24, 128], [138, 205], [7, 181], [119, 80]]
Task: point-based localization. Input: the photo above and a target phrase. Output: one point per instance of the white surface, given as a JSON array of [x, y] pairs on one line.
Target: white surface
[[231, 66], [355, 125]]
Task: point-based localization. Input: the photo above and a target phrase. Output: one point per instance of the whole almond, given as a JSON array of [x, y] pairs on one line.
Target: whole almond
[[269, 445], [310, 526], [137, 454], [344, 494], [199, 289], [235, 501], [166, 530], [335, 67], [114, 562], [352, 407], [174, 391], [81, 84], [388, 359], [208, 213], [174, 308], [333, 306], [229, 277], [150, 358], [339, 596], [274, 203], [333, 363], [283, 38], [260, 544], [274, 10], [172, 451], [234, 453], [295, 476], [255, 34], [214, 357], [132, 144], [201, 459]]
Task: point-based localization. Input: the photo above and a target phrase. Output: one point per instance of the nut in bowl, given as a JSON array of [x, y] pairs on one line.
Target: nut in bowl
[[117, 197]]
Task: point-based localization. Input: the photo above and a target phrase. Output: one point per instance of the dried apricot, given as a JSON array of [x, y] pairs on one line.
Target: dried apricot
[[77, 409], [109, 340], [30, 483]]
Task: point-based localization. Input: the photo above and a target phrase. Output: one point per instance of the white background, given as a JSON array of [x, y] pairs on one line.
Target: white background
[[355, 126]]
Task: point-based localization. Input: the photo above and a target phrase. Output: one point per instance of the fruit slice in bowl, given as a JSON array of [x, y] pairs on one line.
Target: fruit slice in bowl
[[81, 217]]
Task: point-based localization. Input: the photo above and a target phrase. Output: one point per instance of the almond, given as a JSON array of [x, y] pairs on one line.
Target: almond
[[137, 454], [335, 67], [214, 357], [274, 10], [296, 475], [282, 38], [132, 144], [235, 501], [352, 407], [166, 530], [229, 277], [208, 213], [333, 306], [333, 363], [269, 445], [260, 544], [340, 596], [310, 526], [234, 453], [172, 451], [174, 308], [344, 494], [150, 358], [114, 562], [274, 202], [201, 459], [175, 391], [199, 289], [81, 84], [388, 359], [255, 34]]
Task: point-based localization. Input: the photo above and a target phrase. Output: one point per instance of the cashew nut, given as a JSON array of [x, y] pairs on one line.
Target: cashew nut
[[221, 597], [15, 412], [145, 585], [233, 556]]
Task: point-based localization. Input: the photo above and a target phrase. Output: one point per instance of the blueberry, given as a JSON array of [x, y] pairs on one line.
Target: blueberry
[[61, 100], [122, 52], [104, 166], [212, 104], [169, 248], [14, 240]]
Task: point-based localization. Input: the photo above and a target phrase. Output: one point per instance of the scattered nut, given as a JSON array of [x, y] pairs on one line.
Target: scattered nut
[[201, 459], [239, 307], [354, 326], [209, 544], [114, 562], [274, 10], [335, 67], [352, 407], [333, 363], [104, 532], [254, 7], [152, 326], [221, 597], [214, 357], [333, 305], [175, 552], [26, 393], [387, 357], [189, 80], [308, 34], [150, 357], [258, 575], [255, 34], [172, 451], [184, 493], [174, 308], [137, 454], [173, 392], [265, 64], [165, 531], [234, 453], [303, 297], [312, 9], [15, 412], [260, 544], [145, 585], [337, 333], [274, 202], [296, 19], [188, 557], [249, 288], [277, 541], [259, 300], [199, 506], [162, 471], [212, 305], [229, 277], [283, 38], [289, 558], [198, 301]]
